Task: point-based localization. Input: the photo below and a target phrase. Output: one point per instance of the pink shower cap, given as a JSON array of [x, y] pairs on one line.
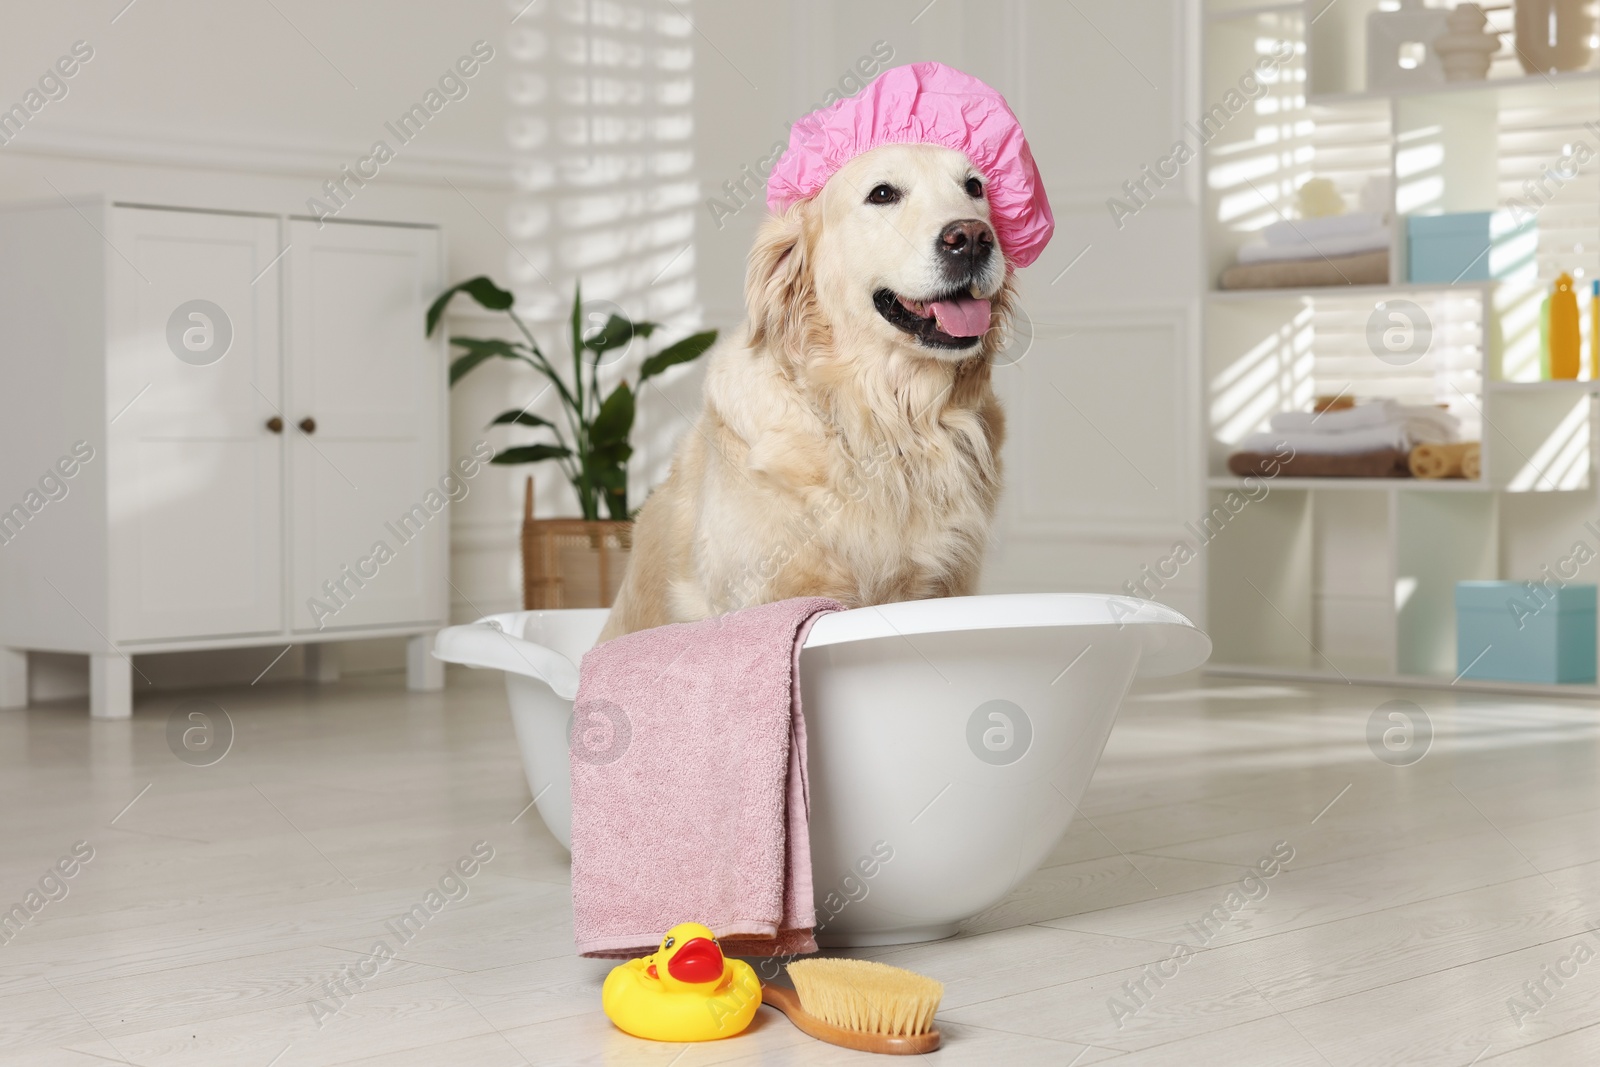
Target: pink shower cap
[[925, 103]]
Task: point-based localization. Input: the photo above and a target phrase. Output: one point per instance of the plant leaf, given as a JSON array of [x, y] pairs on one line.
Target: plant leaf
[[480, 289], [614, 421], [611, 478], [616, 333], [521, 418], [531, 454], [614, 452], [577, 332], [460, 366], [479, 350], [690, 348], [490, 346]]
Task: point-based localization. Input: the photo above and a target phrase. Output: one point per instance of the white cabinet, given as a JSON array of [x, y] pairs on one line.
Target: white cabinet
[[194, 478], [358, 363], [212, 421]]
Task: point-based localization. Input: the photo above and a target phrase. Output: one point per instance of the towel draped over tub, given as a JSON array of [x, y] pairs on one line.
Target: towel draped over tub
[[689, 793]]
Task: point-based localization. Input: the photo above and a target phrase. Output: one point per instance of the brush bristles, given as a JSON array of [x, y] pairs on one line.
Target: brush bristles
[[873, 998]]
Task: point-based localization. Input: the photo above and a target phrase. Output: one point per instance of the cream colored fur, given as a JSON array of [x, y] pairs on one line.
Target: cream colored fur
[[834, 455]]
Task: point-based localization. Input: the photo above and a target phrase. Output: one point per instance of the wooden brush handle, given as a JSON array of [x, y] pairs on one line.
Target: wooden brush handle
[[787, 1001]]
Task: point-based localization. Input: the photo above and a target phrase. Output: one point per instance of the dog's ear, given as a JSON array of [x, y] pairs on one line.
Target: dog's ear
[[778, 291]]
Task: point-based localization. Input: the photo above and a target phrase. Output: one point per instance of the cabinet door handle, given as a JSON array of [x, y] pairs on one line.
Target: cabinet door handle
[[275, 424], [308, 425]]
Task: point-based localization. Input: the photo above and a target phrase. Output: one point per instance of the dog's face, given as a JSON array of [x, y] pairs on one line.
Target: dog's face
[[897, 248], [906, 247]]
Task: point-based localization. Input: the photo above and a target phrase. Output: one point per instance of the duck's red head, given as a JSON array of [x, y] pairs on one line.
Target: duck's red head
[[689, 956], [697, 962]]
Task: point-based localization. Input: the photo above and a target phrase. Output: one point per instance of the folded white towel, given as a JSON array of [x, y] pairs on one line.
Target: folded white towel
[[1329, 444], [1433, 427], [1328, 432], [1303, 231], [1324, 247], [1360, 417]]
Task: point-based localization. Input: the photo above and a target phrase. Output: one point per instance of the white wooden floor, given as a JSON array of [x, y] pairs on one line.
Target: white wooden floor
[[1419, 901]]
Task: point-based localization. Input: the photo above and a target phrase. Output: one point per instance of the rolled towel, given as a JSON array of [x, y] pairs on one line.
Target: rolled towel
[[1349, 244], [1301, 231], [1441, 460], [1371, 439]]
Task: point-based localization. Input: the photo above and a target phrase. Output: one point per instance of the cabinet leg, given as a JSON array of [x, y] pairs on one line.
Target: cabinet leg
[[13, 678], [322, 662], [110, 686], [423, 671]]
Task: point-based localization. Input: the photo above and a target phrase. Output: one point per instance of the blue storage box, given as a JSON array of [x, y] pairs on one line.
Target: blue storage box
[[1468, 246], [1517, 632]]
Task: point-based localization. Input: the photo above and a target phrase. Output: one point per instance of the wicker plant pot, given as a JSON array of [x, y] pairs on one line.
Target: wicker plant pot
[[571, 563]]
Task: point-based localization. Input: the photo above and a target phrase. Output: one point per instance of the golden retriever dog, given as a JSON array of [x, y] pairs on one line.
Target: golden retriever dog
[[849, 443]]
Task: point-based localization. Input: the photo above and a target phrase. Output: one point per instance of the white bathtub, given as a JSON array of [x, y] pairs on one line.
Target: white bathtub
[[949, 741]]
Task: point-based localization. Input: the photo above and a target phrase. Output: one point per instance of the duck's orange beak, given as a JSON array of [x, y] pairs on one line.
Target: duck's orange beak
[[699, 960]]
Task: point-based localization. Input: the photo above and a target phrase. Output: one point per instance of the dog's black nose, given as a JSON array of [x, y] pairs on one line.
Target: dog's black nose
[[964, 247]]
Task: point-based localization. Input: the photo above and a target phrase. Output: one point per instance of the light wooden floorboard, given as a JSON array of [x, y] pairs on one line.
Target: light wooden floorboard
[[220, 901]]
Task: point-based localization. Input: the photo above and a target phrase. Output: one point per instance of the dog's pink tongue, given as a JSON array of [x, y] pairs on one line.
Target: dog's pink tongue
[[961, 317]]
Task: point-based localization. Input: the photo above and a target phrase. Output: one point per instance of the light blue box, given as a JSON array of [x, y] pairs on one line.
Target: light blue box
[[1468, 246], [1517, 632]]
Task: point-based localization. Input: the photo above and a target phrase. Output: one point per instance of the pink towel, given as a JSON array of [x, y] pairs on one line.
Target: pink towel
[[689, 794]]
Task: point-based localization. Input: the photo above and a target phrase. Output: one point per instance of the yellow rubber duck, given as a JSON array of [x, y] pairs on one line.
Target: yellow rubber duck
[[685, 991]]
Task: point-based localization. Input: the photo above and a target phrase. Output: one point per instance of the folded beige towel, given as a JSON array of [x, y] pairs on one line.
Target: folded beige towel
[[1369, 268], [1349, 244], [1379, 463]]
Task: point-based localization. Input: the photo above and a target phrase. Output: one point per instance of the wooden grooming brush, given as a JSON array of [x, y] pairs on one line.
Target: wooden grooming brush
[[861, 1005]]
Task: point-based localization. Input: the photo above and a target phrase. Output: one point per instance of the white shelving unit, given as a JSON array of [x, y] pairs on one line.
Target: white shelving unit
[[1354, 579]]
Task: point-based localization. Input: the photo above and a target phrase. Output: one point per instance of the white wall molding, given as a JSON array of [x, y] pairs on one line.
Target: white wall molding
[[1177, 322], [1178, 81], [410, 166]]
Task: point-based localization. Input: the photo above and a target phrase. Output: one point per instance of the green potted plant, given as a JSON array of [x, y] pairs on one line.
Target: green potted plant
[[590, 444]]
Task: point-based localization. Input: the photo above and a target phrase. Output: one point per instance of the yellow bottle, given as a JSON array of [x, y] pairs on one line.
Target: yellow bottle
[[1594, 331], [1564, 333]]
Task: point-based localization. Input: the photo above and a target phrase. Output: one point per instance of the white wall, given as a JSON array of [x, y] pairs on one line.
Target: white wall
[[1100, 480], [236, 106], [539, 177]]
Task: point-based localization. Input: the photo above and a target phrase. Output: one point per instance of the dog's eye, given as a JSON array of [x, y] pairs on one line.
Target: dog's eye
[[974, 188], [883, 194]]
